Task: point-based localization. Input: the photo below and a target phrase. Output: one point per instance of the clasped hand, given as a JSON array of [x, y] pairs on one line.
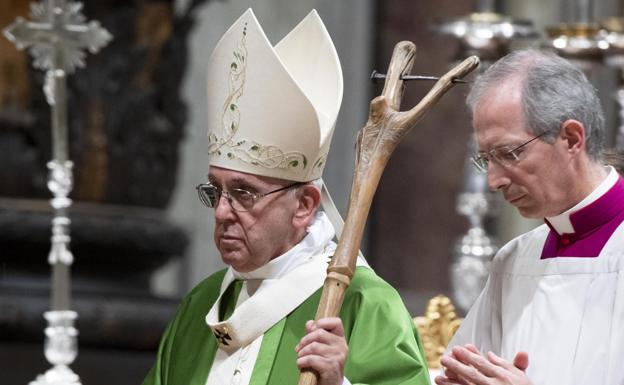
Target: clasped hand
[[465, 365]]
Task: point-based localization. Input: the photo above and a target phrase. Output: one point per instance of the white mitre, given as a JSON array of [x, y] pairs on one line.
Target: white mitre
[[272, 110]]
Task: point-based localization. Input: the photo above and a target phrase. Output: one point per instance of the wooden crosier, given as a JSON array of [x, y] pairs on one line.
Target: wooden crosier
[[376, 141]]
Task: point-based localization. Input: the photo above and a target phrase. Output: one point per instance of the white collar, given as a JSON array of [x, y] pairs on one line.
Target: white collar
[[291, 277], [561, 223]]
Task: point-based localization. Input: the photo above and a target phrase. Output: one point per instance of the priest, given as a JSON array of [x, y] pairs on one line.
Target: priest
[[552, 311], [272, 111]]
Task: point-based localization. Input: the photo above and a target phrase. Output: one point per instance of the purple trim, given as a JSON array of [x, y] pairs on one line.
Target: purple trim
[[593, 225]]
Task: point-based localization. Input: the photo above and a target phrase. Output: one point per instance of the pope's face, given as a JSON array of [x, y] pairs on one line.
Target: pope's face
[[538, 184], [249, 239]]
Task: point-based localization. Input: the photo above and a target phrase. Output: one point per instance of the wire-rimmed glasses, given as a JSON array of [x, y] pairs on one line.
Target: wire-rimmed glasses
[[239, 199], [505, 155]]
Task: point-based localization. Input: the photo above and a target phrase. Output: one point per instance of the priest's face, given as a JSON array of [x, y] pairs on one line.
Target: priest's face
[[540, 181], [249, 239]]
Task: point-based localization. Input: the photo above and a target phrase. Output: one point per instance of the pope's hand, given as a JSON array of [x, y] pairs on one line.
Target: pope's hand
[[467, 366], [324, 350]]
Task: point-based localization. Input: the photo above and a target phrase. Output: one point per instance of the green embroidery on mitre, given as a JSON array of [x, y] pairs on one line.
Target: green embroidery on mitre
[[273, 157], [230, 117], [320, 162], [254, 153]]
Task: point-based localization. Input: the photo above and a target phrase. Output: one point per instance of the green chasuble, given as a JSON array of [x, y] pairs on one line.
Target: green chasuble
[[384, 347]]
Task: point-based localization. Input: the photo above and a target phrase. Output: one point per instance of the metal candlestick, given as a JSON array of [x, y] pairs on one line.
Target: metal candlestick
[[474, 250], [61, 348], [488, 35], [581, 40], [56, 39], [613, 35]]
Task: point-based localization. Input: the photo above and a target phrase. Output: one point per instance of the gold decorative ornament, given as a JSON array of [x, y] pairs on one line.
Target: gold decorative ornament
[[436, 328], [222, 335]]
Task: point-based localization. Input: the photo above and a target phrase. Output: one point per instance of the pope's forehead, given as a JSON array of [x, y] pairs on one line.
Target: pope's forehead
[[227, 175]]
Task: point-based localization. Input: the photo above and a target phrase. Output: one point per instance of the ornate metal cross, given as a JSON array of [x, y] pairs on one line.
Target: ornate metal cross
[[56, 38]]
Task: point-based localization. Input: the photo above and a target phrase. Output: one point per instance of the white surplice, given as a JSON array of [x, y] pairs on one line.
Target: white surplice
[[566, 312]]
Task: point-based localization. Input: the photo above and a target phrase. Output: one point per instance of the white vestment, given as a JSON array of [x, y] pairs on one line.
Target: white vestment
[[567, 313], [267, 296]]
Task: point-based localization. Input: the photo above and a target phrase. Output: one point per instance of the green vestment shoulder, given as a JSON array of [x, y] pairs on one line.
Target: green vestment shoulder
[[384, 348]]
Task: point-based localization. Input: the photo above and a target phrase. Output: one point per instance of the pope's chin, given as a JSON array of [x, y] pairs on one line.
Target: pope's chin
[[231, 253], [233, 258]]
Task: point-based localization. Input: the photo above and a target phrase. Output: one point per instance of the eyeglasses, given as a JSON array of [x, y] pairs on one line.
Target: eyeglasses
[[505, 155], [239, 199]]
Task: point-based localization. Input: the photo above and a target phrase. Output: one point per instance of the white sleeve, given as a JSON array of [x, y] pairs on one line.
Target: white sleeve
[[481, 327], [615, 374]]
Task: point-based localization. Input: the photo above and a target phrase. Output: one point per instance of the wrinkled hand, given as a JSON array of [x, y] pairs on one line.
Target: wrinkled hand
[[467, 366], [324, 350]]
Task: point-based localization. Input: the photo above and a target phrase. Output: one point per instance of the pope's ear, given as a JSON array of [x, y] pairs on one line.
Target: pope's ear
[[573, 133], [308, 201]]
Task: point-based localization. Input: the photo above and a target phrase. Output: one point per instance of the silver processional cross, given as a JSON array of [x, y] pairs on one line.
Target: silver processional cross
[[56, 38]]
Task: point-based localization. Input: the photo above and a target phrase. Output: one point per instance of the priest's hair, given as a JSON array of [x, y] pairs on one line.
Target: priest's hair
[[553, 91]]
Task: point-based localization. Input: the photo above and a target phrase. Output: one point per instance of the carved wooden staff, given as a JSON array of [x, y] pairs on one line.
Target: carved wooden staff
[[385, 128]]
